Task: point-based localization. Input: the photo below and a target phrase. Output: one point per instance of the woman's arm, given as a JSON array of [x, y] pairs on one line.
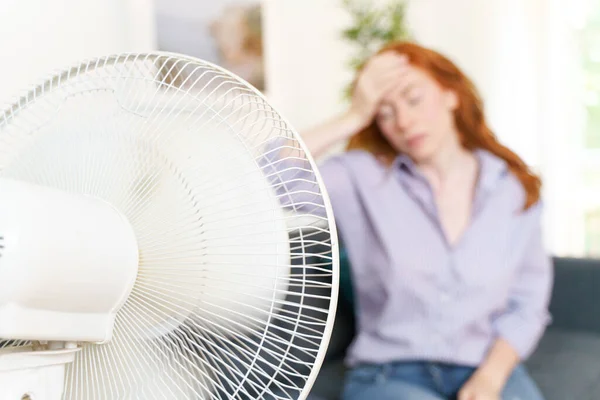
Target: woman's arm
[[526, 316], [382, 73], [489, 379], [520, 327], [322, 137], [295, 182]]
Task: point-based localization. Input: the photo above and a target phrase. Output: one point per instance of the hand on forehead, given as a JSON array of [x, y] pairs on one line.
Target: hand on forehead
[[407, 77], [384, 74]]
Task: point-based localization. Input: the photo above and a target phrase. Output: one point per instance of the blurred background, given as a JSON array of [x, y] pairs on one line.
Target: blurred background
[[536, 62]]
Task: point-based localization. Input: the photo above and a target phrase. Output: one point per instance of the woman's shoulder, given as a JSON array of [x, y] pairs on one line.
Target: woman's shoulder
[[516, 197], [351, 171], [357, 162], [501, 180]]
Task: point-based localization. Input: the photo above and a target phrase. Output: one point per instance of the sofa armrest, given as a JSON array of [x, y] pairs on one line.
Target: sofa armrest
[[575, 302]]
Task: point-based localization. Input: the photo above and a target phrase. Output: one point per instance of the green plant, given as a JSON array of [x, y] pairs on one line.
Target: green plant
[[371, 28]]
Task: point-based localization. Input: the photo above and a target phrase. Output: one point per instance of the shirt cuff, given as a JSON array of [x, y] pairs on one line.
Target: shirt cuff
[[523, 332]]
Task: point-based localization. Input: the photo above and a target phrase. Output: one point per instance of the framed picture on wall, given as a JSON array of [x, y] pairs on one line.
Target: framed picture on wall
[[224, 32]]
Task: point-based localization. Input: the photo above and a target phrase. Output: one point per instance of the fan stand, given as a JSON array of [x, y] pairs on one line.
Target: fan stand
[[36, 372]]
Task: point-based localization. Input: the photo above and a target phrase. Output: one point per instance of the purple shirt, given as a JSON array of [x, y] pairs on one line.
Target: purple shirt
[[417, 297]]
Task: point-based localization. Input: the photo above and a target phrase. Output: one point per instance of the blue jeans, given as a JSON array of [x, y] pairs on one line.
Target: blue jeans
[[426, 381]]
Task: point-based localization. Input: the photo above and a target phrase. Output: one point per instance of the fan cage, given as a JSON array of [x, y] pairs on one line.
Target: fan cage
[[258, 346]]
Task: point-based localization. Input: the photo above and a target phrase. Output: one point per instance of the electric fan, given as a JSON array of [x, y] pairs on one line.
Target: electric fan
[[163, 235]]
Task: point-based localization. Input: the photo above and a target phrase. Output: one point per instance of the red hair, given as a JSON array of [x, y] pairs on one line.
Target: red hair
[[468, 117]]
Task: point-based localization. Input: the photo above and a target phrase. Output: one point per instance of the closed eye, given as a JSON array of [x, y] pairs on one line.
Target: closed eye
[[413, 95], [414, 100], [385, 112]]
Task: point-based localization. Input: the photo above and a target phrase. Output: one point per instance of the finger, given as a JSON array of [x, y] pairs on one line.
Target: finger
[[391, 65], [465, 395], [394, 83], [374, 72], [391, 56], [388, 73], [387, 61], [384, 93], [402, 74], [389, 89], [383, 75]]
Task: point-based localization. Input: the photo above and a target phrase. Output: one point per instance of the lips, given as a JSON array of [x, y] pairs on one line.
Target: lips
[[415, 140]]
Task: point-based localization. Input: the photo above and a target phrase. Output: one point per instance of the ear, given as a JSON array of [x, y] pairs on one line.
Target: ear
[[451, 99]]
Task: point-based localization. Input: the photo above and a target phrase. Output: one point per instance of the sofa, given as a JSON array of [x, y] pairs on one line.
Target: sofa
[[566, 364]]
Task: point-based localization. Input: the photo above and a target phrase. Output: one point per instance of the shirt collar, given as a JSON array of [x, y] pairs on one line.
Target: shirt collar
[[405, 163], [492, 167]]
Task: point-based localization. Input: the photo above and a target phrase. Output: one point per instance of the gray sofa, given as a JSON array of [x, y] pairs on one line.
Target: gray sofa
[[566, 364]]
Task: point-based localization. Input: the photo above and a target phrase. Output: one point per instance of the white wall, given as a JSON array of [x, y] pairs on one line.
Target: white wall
[[498, 43], [304, 58], [39, 36]]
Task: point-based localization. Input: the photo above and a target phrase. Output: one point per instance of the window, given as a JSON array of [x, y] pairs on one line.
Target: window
[[590, 48], [570, 126], [590, 63], [592, 229]]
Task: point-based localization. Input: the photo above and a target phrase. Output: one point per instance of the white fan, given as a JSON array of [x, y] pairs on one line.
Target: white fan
[[153, 241]]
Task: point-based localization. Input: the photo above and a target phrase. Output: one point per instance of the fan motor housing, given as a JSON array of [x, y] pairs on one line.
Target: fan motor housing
[[67, 265]]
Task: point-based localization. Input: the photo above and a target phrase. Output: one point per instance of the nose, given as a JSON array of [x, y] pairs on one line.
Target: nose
[[405, 119]]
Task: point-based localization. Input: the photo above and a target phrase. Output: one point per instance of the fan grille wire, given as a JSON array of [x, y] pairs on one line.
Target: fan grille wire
[[237, 282]]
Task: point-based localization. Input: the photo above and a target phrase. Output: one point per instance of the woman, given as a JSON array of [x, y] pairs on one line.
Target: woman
[[442, 228]]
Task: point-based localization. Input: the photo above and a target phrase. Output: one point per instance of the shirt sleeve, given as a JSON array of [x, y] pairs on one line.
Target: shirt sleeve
[[295, 181], [526, 316]]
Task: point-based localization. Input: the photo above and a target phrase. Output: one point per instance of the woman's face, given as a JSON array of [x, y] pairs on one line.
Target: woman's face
[[417, 117]]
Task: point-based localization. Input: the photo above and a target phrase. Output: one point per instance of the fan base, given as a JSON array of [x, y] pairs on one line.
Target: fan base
[[26, 373]]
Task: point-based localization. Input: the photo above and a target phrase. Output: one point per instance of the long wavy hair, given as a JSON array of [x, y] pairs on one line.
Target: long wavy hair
[[469, 118]]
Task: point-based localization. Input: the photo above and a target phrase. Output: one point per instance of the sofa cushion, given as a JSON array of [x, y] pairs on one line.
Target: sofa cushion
[[566, 365], [330, 381], [575, 295]]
